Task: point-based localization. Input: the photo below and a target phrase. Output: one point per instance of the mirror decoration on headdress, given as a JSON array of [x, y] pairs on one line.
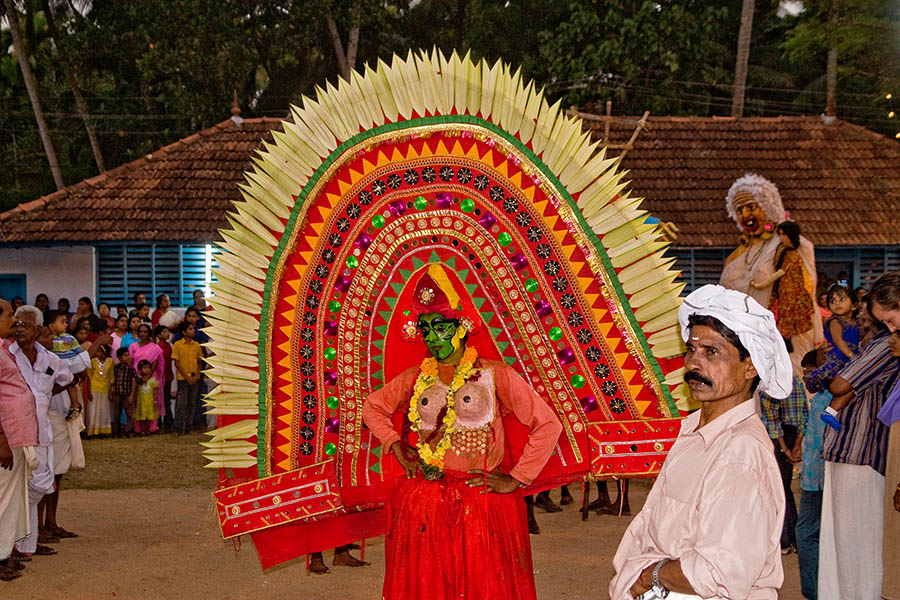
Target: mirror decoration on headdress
[[428, 160]]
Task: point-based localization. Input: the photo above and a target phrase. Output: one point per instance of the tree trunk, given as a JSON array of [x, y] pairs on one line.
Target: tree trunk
[[31, 86], [831, 69], [353, 40], [743, 57], [80, 103], [459, 34], [336, 42]]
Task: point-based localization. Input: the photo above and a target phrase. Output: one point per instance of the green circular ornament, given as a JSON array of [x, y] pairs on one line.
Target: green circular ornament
[[467, 205], [555, 334], [330, 449], [532, 285], [352, 262], [334, 306], [577, 381], [504, 239], [329, 353], [377, 221], [420, 203], [332, 402]]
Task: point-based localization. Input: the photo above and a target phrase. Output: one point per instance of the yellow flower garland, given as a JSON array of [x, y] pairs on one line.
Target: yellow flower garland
[[433, 459]]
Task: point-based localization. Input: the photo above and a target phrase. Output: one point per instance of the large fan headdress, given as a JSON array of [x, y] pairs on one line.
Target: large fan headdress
[[427, 160]]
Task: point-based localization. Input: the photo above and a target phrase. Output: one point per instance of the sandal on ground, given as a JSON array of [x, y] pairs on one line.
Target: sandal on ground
[[47, 538], [7, 574], [44, 551], [11, 564], [19, 557], [63, 533]]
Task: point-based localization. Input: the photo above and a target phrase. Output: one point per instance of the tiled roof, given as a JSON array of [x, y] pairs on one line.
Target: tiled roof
[[841, 182], [178, 193]]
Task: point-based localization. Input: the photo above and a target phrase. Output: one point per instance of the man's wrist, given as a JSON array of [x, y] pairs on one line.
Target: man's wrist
[[654, 580]]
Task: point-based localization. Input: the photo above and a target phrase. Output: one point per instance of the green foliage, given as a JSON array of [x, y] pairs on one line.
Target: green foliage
[[636, 52], [153, 72]]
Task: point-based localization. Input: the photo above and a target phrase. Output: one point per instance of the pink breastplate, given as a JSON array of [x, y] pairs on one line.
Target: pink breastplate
[[475, 411]]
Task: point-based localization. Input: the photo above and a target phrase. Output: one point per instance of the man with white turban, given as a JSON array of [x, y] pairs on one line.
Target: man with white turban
[[755, 204], [711, 525]]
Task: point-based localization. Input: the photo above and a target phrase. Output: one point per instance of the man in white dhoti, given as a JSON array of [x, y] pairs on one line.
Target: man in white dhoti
[[18, 436], [45, 375], [711, 525], [755, 204], [67, 449]]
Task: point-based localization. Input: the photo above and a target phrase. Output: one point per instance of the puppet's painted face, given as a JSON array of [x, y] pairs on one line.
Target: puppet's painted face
[[750, 215], [439, 334]]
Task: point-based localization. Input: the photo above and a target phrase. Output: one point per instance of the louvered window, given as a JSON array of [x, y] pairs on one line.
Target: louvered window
[[698, 266], [173, 269]]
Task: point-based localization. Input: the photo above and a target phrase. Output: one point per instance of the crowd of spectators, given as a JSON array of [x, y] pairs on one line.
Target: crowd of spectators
[[845, 438], [106, 393]]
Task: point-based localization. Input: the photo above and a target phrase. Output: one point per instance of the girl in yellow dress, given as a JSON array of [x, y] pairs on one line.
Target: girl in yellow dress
[[101, 375]]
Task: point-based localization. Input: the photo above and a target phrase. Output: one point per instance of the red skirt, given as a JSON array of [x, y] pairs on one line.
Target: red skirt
[[448, 541]]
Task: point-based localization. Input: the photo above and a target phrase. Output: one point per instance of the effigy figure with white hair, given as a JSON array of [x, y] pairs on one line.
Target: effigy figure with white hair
[[761, 260], [711, 525]]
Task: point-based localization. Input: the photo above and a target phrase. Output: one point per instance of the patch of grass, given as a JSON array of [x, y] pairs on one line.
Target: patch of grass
[[156, 461]]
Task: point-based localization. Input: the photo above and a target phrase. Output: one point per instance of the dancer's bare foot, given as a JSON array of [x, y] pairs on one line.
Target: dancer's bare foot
[[343, 558], [317, 564], [565, 497]]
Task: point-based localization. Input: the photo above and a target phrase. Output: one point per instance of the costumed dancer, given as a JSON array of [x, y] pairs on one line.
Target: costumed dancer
[[457, 523], [755, 205]]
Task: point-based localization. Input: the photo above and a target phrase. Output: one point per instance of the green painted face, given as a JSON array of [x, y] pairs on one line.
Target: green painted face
[[439, 334]]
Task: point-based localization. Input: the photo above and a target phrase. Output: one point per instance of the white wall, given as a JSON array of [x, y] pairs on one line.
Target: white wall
[[58, 271]]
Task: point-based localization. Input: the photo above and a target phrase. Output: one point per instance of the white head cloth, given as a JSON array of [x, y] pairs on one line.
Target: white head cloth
[[764, 192], [754, 326]]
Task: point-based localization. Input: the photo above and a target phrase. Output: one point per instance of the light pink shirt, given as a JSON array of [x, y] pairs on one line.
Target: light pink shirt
[[17, 413], [717, 506]]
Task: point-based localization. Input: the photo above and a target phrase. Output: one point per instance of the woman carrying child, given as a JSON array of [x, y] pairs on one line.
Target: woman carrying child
[[145, 413], [145, 350], [842, 335]]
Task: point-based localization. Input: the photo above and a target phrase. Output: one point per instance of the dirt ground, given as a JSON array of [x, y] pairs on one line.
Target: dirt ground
[[164, 543]]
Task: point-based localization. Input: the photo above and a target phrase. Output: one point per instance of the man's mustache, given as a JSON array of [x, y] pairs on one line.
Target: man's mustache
[[695, 376]]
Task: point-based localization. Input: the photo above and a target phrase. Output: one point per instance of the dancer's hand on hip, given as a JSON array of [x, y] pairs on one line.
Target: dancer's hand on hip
[[497, 482], [409, 464]]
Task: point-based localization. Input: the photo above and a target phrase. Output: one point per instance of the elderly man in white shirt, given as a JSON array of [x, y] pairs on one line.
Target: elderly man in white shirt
[[711, 526], [45, 375]]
